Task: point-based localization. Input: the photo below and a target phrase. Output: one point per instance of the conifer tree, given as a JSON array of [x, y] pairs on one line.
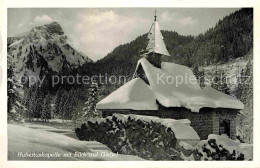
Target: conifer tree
[[200, 75], [216, 80], [33, 100], [29, 101], [68, 104], [63, 103], [15, 109], [220, 82], [90, 108], [202, 78], [58, 101], [46, 108], [38, 104], [77, 114], [73, 101], [245, 94], [224, 86]]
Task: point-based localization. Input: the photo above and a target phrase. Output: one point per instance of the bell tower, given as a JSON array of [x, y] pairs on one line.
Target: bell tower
[[156, 48]]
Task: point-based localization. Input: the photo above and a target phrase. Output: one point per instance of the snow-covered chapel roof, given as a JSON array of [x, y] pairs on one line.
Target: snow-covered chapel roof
[[156, 43], [166, 86], [135, 95]]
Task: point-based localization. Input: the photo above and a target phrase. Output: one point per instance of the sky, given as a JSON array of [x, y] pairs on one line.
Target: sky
[[97, 31]]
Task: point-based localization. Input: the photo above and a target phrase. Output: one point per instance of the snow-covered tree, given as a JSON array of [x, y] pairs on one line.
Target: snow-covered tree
[[224, 86], [62, 103], [15, 108], [46, 108], [66, 102], [78, 96], [219, 82], [39, 103], [245, 94], [93, 98], [200, 75], [58, 101], [30, 100]]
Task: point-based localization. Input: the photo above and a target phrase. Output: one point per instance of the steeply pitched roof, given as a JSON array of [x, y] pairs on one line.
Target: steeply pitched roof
[[176, 86], [172, 86], [156, 43], [134, 95]]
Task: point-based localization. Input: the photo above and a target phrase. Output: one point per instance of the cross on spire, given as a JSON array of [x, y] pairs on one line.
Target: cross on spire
[[155, 14]]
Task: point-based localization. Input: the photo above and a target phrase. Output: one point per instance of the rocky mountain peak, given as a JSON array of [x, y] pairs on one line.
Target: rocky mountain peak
[[47, 30], [54, 27], [44, 49]]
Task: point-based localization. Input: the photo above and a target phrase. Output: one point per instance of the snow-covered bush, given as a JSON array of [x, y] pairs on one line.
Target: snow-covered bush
[[154, 138], [220, 147], [148, 137]]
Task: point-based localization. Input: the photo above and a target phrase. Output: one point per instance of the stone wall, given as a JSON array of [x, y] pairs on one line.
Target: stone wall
[[204, 123], [106, 113], [222, 114]]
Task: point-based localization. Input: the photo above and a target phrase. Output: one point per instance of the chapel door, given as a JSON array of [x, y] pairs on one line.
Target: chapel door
[[224, 127]]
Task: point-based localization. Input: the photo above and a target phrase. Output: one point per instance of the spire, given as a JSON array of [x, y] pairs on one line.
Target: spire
[[155, 15], [156, 43]]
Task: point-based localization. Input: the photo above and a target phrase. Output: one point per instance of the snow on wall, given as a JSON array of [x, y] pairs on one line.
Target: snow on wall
[[165, 121]]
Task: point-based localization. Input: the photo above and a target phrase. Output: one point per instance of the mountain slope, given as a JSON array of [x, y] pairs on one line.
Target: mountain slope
[[44, 49], [231, 38], [122, 60]]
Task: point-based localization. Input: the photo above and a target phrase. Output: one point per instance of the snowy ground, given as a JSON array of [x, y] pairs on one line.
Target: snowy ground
[[37, 142]]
